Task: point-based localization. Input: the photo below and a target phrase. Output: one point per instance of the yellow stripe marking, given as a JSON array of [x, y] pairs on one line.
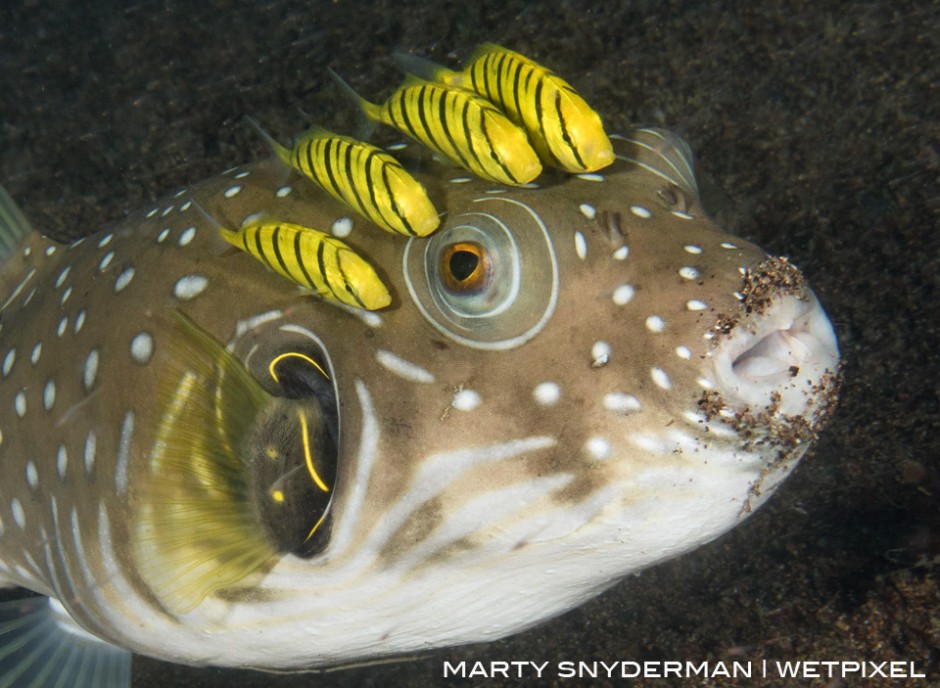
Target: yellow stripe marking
[[277, 359], [307, 456]]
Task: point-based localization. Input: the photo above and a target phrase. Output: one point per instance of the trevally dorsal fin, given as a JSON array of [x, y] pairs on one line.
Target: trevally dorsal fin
[[13, 225], [426, 69], [42, 646]]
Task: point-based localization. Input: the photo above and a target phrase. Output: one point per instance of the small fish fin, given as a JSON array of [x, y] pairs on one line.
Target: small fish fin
[[427, 69], [41, 646], [227, 238], [281, 152], [371, 112], [662, 153], [13, 225], [195, 531]]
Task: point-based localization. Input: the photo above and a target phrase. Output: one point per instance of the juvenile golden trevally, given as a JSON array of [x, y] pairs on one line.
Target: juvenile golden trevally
[[202, 463], [313, 259], [565, 131], [365, 178], [468, 130]]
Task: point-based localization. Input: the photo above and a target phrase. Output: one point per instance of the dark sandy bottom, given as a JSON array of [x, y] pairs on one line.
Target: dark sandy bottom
[[816, 129]]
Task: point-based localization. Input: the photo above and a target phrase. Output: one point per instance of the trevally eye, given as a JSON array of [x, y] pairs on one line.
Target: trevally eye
[[488, 279]]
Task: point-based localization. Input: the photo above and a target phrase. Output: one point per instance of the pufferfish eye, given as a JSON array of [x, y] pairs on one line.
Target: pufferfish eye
[[465, 267], [481, 279]]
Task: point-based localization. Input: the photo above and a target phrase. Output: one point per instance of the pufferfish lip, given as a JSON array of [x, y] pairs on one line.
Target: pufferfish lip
[[777, 355]]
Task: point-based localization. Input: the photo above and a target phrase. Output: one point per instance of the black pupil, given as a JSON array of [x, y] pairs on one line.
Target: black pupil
[[462, 264]]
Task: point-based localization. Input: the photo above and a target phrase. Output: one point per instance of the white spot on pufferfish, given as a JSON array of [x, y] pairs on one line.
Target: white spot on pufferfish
[[106, 261], [641, 212], [79, 321], [688, 272], [19, 403], [18, 514], [232, 191], [696, 305], [64, 275], [547, 393], [728, 245], [48, 394], [50, 250], [704, 383], [466, 400], [621, 253], [655, 324], [242, 174], [624, 294], [600, 354], [186, 206], [91, 444], [190, 286], [580, 245], [661, 378], [8, 361], [283, 192], [621, 403], [461, 180], [91, 369], [151, 213], [105, 240], [63, 325], [598, 447], [62, 461], [684, 352], [187, 236], [164, 233], [590, 177], [693, 249], [683, 215], [36, 353], [66, 295], [403, 368], [142, 347], [124, 452], [32, 475], [342, 227], [123, 280], [588, 211]]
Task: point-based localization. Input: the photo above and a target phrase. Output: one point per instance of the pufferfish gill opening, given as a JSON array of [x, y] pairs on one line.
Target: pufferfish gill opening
[[204, 462]]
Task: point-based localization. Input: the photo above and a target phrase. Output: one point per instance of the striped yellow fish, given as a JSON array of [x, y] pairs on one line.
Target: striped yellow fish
[[462, 127], [563, 128], [312, 259], [365, 178]]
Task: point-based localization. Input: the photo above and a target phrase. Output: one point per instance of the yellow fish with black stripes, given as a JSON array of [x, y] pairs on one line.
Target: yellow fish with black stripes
[[466, 129], [364, 177], [201, 463], [565, 130], [312, 259]]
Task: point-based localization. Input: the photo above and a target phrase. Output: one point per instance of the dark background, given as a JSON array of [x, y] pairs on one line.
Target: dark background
[[816, 130]]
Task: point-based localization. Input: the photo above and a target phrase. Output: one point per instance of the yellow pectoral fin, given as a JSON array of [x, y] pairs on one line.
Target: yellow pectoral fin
[[194, 531]]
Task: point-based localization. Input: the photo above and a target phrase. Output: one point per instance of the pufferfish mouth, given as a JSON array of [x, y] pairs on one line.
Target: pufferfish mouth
[[781, 355]]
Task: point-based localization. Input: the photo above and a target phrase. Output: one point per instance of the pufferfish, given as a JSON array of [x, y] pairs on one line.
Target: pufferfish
[[203, 463]]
